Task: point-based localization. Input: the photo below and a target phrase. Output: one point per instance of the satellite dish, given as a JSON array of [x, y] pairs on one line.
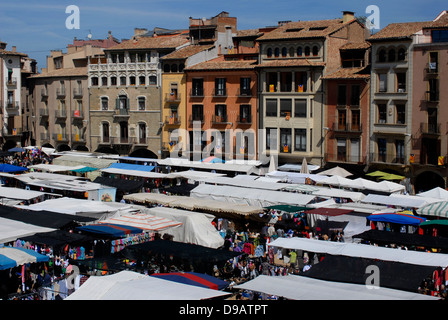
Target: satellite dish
[[89, 35]]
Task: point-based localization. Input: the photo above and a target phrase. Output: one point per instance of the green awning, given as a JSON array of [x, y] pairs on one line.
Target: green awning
[[434, 222], [438, 209], [391, 176], [286, 208], [377, 174]]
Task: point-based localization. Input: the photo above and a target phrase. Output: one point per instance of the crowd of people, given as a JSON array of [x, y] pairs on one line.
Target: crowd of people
[[26, 157]]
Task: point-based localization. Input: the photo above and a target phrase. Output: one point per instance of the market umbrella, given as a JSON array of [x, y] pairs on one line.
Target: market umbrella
[[436, 192], [336, 171], [212, 159], [376, 174], [272, 166], [391, 176], [304, 168], [6, 167]]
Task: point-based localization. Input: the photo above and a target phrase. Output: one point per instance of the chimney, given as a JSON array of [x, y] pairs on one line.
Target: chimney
[[14, 48], [347, 16]]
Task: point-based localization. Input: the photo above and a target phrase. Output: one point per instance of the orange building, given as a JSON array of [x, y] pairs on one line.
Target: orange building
[[222, 103]]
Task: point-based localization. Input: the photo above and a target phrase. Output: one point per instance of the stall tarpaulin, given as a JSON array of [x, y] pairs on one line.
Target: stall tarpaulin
[[13, 257], [110, 229], [399, 218], [194, 279]]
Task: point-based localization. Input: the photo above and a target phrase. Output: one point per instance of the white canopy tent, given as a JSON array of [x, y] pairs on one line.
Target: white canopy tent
[[403, 202], [337, 171], [11, 230], [253, 197], [19, 194], [295, 177], [362, 251], [128, 285], [437, 192], [304, 288], [54, 167], [144, 221], [134, 173], [196, 227]]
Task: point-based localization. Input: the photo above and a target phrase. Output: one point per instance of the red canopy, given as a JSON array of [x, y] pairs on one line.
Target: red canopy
[[328, 211]]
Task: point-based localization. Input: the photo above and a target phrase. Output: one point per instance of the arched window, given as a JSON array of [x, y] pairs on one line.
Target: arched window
[[181, 67], [299, 51], [166, 67], [401, 54], [391, 55], [153, 80], [276, 52], [105, 131], [269, 53], [315, 50], [307, 51], [382, 55], [174, 67], [284, 52], [291, 52]]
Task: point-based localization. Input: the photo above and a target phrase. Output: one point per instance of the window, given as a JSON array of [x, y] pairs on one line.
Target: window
[[245, 86], [269, 53], [382, 113], [299, 51], [285, 107], [132, 80], [124, 132], [439, 35], [307, 51], [197, 87], [104, 103], [94, 81], [355, 95], [301, 81], [300, 106], [198, 112], [342, 119], [141, 57], [121, 58], [220, 113], [142, 133], [356, 120], [271, 138], [342, 95], [276, 52], [220, 86], [433, 126], [399, 151], [291, 52], [122, 102], [285, 81], [285, 140], [153, 80], [271, 81], [401, 81], [401, 54], [113, 81], [141, 103], [142, 80], [382, 55], [433, 93], [271, 107], [341, 149], [105, 128], [391, 55], [58, 63], [104, 81], [400, 110], [315, 51], [174, 67], [355, 150], [284, 52], [433, 62], [245, 114], [300, 139], [382, 82], [122, 81]]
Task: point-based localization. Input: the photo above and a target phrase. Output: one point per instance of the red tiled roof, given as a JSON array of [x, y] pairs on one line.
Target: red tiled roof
[[223, 65], [69, 72], [158, 42], [186, 52], [349, 73], [399, 30]]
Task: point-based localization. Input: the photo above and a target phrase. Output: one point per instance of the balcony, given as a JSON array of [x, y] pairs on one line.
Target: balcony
[[430, 128], [219, 93], [121, 113], [347, 127], [244, 119], [432, 68], [342, 157], [77, 93], [122, 140], [77, 138], [11, 82], [141, 141], [60, 137], [12, 106], [244, 93], [60, 114], [172, 120], [196, 117], [43, 112], [387, 158], [60, 93], [219, 119], [197, 93], [11, 132], [172, 98]]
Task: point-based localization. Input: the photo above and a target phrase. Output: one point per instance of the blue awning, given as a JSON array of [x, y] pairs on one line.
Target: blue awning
[[116, 230], [6, 167], [12, 257], [398, 218], [130, 166]]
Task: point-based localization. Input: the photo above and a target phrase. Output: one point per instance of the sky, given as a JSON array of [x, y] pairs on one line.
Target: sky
[[37, 27]]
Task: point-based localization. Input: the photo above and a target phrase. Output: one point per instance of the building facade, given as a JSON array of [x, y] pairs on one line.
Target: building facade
[[126, 94], [293, 59]]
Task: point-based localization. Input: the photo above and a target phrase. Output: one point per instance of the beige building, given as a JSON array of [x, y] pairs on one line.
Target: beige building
[[15, 67], [61, 97], [126, 97]]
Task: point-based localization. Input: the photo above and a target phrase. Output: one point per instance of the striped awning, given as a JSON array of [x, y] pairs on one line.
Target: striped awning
[[437, 209], [143, 221], [13, 257]]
